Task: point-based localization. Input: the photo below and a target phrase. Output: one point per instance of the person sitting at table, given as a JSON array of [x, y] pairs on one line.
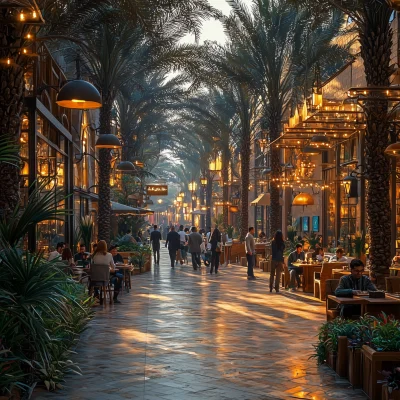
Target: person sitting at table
[[262, 237], [353, 284], [295, 271], [116, 256], [82, 251], [339, 257], [101, 256], [67, 259], [318, 254]]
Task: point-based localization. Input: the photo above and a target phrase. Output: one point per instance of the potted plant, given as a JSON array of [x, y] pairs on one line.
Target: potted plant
[[391, 386], [381, 352], [359, 246], [229, 231], [332, 347]]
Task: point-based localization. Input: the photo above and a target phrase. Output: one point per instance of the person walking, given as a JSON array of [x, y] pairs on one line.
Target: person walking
[[155, 238], [173, 243], [250, 248], [195, 241], [278, 246], [215, 241], [181, 253]]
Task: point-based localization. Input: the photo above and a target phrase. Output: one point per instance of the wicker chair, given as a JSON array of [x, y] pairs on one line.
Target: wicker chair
[[100, 278]]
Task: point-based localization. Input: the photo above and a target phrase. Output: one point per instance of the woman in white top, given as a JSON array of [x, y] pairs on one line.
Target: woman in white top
[[103, 257], [339, 256]]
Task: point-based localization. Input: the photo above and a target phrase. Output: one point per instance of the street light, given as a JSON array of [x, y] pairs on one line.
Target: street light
[[108, 141], [79, 94], [192, 186], [159, 201], [350, 184], [203, 181]]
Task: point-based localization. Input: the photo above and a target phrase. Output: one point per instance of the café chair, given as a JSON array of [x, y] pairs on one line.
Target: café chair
[[393, 284], [100, 278], [331, 307], [320, 278]]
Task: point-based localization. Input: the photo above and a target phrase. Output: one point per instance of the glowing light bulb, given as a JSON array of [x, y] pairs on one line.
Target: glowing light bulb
[[34, 15], [22, 16], [8, 61], [24, 51]]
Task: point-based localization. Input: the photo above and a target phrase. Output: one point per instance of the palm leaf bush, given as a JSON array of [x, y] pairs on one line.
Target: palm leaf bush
[[86, 230]]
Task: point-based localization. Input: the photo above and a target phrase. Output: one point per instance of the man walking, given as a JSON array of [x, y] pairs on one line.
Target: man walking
[[250, 248], [195, 241], [174, 244], [155, 238]]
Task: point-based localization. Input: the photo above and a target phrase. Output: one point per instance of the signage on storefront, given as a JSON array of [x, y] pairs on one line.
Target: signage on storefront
[[157, 190]]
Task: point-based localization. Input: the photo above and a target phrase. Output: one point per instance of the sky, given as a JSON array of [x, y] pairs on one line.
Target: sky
[[213, 30]]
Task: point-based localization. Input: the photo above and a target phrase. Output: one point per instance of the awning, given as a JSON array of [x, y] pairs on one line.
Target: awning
[[198, 212], [122, 208], [264, 199]]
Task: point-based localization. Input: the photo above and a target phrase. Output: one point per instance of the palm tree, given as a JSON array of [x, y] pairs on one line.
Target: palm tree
[[12, 65], [213, 111], [372, 21], [115, 52], [270, 43]]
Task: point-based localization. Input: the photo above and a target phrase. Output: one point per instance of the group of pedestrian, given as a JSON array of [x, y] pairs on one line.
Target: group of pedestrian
[[189, 240]]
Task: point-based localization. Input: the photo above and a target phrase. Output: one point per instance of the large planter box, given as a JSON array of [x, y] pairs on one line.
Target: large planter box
[[331, 360], [342, 357], [354, 372], [373, 362], [395, 395]]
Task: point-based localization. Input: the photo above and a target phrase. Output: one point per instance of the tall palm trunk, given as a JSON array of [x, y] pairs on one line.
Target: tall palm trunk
[[225, 187], [11, 104], [209, 198], [376, 43], [104, 215], [245, 183], [274, 219]]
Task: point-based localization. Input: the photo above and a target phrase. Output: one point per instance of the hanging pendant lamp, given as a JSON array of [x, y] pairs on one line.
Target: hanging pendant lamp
[[125, 166], [393, 150], [79, 94], [303, 199], [108, 141]]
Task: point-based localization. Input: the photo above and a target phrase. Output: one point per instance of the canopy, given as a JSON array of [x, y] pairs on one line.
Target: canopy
[[199, 212], [264, 199], [122, 208]]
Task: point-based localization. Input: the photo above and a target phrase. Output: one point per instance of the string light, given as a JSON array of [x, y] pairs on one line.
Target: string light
[[22, 16], [34, 15]]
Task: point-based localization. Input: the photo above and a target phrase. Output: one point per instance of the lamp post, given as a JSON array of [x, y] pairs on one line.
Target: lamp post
[[193, 189]]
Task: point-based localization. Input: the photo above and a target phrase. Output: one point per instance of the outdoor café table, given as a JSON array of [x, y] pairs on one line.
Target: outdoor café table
[[338, 273], [126, 270], [389, 305], [308, 275]]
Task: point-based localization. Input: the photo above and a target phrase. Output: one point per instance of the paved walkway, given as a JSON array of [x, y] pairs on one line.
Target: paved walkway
[[186, 335]]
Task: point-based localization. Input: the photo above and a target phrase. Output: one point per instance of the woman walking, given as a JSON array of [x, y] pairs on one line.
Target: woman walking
[[278, 246], [215, 241]]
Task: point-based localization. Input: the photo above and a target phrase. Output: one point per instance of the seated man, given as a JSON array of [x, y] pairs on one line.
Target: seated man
[[294, 271], [339, 257], [116, 256], [353, 284], [82, 251]]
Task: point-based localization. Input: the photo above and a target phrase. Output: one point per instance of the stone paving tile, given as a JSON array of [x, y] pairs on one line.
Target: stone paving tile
[[185, 335]]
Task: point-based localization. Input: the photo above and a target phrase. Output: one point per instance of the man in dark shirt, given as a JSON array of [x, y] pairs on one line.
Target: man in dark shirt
[[353, 284], [79, 256], [295, 271], [174, 244], [116, 256], [155, 238]]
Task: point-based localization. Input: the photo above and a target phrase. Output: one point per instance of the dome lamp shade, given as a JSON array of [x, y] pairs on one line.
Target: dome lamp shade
[[311, 151], [320, 141], [125, 166], [79, 94], [108, 141], [303, 199], [393, 150]]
